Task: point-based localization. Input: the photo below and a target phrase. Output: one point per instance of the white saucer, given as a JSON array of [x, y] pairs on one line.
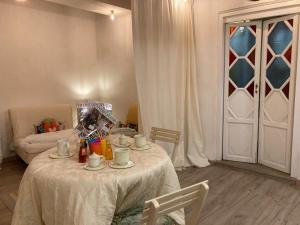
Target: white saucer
[[116, 143], [100, 167], [115, 166], [55, 156], [146, 147]]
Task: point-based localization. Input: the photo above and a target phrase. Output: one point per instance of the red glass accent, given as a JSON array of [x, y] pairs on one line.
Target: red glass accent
[[267, 89], [253, 27], [288, 54], [231, 89], [232, 29], [286, 90], [291, 21], [250, 89], [251, 57], [232, 57], [269, 56], [270, 26]]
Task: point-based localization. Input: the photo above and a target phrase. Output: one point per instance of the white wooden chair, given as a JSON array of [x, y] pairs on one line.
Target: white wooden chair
[[170, 136], [194, 196]]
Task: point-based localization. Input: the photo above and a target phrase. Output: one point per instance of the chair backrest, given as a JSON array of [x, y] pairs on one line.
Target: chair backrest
[[194, 196], [160, 134], [170, 136]]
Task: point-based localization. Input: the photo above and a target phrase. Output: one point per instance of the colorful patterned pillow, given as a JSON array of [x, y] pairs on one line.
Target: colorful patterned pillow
[[49, 125]]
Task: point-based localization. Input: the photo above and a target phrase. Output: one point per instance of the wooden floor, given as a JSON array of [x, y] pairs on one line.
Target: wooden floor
[[236, 197], [10, 177]]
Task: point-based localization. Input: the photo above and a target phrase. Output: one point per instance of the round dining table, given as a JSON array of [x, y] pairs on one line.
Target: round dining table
[[61, 192]]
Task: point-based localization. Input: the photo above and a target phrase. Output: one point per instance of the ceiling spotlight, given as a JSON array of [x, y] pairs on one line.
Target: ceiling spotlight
[[112, 15], [21, 0]]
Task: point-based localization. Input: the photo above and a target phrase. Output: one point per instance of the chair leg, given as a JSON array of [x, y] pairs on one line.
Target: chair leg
[[153, 213], [173, 157]]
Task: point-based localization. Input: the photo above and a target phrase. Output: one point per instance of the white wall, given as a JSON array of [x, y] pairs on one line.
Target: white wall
[[52, 54], [117, 84]]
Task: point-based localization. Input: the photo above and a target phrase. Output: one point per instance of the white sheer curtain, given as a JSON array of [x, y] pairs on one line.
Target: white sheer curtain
[[164, 52]]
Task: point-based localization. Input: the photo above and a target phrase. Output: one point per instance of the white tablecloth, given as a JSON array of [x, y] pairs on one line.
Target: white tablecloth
[[60, 192]]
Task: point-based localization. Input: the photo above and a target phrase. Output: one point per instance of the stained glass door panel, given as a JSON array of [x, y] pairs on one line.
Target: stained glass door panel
[[241, 96], [276, 104]]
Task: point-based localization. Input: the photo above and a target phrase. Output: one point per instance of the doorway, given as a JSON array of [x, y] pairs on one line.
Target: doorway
[[260, 68]]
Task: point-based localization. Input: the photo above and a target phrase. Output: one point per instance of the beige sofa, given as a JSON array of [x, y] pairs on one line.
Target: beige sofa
[[23, 120]]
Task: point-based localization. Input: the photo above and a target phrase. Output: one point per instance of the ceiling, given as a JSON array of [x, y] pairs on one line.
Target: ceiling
[[121, 3], [98, 6]]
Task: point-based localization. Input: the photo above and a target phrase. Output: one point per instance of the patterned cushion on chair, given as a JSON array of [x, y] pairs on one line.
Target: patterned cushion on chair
[[133, 216]]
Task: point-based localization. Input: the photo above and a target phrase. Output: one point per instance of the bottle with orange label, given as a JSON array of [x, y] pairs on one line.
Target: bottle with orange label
[[103, 146], [108, 152]]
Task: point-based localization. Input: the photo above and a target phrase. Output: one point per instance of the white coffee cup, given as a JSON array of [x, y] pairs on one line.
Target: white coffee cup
[[123, 140], [121, 156], [140, 140], [95, 160], [63, 147]]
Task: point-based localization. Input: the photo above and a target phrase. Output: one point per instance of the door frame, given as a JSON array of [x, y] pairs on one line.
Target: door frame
[[257, 11]]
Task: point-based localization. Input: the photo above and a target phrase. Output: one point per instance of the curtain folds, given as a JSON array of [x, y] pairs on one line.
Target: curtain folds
[[165, 68]]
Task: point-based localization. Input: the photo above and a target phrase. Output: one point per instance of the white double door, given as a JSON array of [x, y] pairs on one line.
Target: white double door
[[259, 85]]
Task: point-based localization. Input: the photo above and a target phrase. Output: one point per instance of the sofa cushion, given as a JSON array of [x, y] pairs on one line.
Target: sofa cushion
[[34, 148], [49, 137], [37, 143]]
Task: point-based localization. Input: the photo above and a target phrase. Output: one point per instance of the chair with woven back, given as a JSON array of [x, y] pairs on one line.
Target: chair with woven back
[[155, 211], [166, 135]]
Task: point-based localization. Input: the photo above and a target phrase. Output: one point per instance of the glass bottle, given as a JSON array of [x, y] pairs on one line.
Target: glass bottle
[[83, 151], [108, 152], [103, 147]]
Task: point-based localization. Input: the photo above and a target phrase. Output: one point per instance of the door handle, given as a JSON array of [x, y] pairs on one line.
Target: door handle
[[256, 88]]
